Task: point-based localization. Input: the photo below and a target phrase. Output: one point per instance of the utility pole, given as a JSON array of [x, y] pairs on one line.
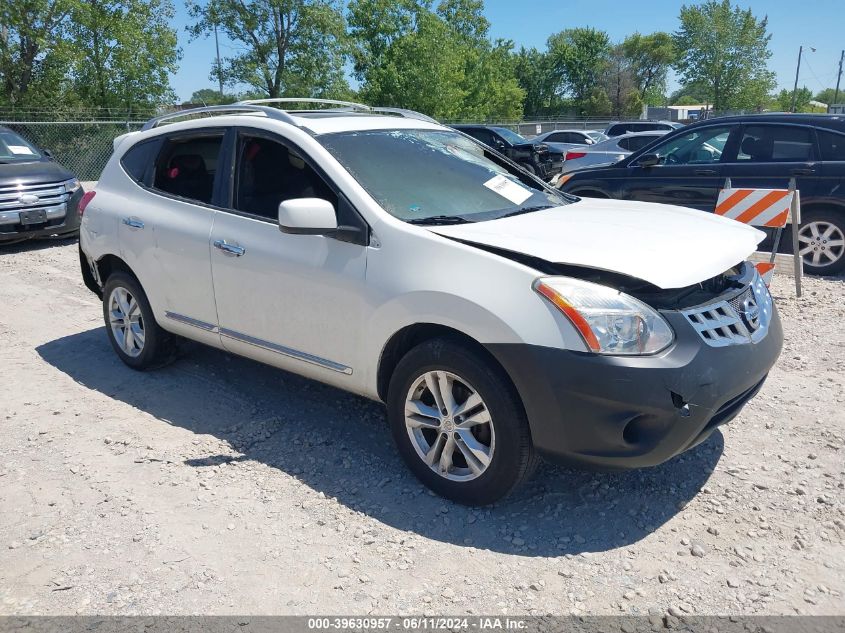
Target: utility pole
[[838, 78], [219, 74], [797, 70]]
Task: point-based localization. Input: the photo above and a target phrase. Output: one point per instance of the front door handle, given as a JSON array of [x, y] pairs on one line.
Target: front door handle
[[803, 171], [229, 249], [133, 223], [705, 172]]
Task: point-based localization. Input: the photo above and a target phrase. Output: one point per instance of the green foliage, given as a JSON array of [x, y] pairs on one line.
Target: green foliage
[[532, 69], [724, 49], [212, 96], [438, 61], [803, 96], [649, 58], [284, 47], [578, 59], [686, 100], [130, 52], [827, 95]]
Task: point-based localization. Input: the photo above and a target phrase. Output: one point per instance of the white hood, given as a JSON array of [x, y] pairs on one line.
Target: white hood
[[668, 246]]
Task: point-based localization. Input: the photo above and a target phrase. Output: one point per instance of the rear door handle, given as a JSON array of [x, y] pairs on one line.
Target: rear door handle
[[806, 171], [133, 223], [705, 172], [229, 249]]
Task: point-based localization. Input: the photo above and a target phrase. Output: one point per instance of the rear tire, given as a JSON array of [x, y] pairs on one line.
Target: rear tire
[[821, 241], [133, 332], [480, 449], [529, 168]]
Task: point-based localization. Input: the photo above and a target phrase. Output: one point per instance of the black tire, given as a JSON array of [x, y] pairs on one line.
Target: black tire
[[529, 168], [827, 218], [158, 347], [513, 458]]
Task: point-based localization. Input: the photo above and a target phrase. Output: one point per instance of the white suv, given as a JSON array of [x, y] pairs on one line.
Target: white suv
[[385, 254]]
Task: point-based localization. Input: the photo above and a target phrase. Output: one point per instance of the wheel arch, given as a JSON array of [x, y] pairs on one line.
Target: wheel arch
[[408, 337], [109, 264]]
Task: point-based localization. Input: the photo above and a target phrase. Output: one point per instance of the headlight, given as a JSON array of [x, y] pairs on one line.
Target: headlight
[[72, 185], [609, 321]]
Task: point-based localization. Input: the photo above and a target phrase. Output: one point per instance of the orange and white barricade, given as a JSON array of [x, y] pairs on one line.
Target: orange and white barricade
[[770, 208]]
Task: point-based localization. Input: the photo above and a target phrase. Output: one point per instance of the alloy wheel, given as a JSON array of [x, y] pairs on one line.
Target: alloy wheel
[[821, 243], [449, 426], [126, 321]]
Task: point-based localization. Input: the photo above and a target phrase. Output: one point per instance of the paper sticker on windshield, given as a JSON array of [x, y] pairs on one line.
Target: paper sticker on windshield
[[20, 149], [506, 188]]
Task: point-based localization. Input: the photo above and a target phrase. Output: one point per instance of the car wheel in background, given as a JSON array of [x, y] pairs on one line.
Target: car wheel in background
[[458, 423], [821, 242], [529, 168], [132, 329]]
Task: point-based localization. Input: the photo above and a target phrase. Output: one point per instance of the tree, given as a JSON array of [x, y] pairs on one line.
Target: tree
[[126, 51], [285, 47], [34, 54], [649, 58], [439, 61], [826, 95], [534, 75], [726, 50], [578, 59], [211, 96], [803, 96]]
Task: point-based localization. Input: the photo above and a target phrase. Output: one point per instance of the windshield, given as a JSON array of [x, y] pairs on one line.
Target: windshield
[[436, 177], [596, 135], [13, 149], [510, 136]]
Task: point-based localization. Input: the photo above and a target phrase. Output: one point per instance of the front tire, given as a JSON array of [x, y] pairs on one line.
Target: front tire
[[133, 332], [459, 424], [821, 242]]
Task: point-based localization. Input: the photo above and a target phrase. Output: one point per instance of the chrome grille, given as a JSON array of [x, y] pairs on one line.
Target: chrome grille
[[728, 322], [51, 197]]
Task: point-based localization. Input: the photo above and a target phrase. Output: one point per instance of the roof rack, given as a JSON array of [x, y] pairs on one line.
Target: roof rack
[[257, 106], [346, 104], [243, 108]]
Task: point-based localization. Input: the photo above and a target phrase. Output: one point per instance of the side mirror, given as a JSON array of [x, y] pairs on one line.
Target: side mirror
[[648, 160], [307, 216]]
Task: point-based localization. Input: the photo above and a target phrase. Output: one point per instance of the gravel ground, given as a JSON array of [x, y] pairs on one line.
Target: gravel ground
[[221, 486]]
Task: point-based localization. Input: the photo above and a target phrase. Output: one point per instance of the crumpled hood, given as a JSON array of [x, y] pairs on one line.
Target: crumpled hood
[[668, 246]]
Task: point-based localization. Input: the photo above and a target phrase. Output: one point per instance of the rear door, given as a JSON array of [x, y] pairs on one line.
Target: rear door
[[768, 155], [164, 231], [689, 171]]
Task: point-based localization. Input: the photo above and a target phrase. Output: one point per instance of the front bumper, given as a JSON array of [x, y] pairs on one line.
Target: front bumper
[[61, 219], [615, 412]]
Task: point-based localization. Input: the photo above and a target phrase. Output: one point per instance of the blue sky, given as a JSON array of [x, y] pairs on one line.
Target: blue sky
[[816, 23]]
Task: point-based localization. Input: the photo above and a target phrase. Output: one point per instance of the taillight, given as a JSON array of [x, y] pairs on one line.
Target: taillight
[[573, 155], [87, 197]]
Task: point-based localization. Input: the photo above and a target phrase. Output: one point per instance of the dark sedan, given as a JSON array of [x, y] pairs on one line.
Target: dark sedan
[[536, 157], [689, 166]]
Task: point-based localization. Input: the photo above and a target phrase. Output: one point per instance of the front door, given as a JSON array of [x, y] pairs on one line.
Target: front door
[[688, 174], [294, 301]]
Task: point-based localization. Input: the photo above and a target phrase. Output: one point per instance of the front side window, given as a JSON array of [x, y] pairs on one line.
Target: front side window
[[434, 176], [510, 136], [187, 165], [832, 145], [14, 149], [268, 173], [775, 144], [698, 147]]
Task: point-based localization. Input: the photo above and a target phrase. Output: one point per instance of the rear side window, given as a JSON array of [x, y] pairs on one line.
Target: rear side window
[[831, 145], [186, 166], [139, 161], [775, 144], [616, 130], [635, 143]]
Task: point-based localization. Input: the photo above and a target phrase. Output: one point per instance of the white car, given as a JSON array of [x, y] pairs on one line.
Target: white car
[[390, 256], [608, 151]]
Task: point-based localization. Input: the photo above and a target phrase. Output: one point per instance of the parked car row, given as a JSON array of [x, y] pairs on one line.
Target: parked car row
[[687, 167]]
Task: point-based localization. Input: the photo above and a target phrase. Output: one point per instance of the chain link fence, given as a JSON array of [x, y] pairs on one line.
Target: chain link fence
[[84, 146]]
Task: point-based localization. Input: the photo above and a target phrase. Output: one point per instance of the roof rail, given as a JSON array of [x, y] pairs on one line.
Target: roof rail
[[346, 104], [408, 114], [243, 108]]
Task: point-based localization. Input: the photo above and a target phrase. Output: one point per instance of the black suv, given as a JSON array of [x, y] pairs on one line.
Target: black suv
[[689, 166], [537, 158], [38, 197]]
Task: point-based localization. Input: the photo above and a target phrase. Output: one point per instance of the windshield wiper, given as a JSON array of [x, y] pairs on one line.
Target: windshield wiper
[[441, 219], [526, 210]]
